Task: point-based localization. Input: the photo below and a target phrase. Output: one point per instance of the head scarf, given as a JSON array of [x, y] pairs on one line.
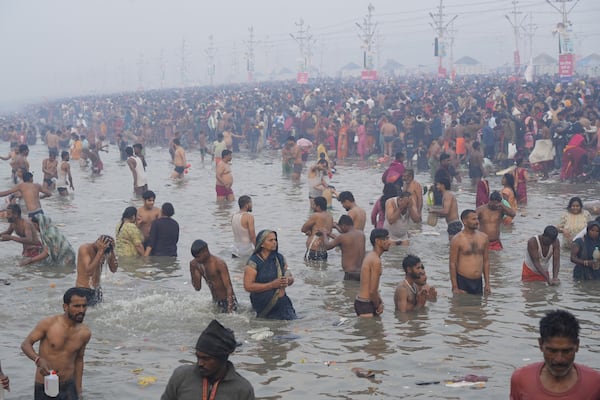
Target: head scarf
[[216, 341]]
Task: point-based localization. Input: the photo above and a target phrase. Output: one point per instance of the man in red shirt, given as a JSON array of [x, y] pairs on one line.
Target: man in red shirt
[[558, 377]]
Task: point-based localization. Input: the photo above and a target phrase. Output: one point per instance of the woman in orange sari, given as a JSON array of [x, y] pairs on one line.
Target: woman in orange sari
[[342, 150]]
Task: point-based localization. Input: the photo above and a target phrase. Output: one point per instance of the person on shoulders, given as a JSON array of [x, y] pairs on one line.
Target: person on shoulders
[[558, 376]]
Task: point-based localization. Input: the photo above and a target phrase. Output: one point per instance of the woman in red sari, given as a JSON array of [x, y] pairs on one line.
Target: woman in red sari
[[574, 157]]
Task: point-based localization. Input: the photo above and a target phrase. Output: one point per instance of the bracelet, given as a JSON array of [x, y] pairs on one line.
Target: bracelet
[[36, 360]]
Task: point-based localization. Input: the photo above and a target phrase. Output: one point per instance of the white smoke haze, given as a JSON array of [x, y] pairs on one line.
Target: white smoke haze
[[72, 47]]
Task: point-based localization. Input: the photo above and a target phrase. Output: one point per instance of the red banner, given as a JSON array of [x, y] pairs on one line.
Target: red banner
[[368, 75], [566, 66], [302, 78]]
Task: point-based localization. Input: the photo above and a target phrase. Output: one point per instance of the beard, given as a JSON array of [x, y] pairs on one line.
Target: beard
[[78, 317]]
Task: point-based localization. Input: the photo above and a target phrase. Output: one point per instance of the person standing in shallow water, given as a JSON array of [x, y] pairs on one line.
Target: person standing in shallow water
[[164, 234], [63, 339], [214, 271], [266, 278]]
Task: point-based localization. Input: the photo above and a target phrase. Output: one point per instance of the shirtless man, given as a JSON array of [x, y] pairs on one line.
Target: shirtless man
[[52, 141], [320, 223], [179, 160], [30, 192], [136, 166], [224, 178], [476, 170], [242, 224], [408, 295], [368, 303], [449, 208], [90, 259], [26, 234], [414, 188], [352, 244], [20, 164], [296, 155], [358, 215], [287, 156], [65, 180], [469, 258], [389, 133], [50, 170], [146, 214], [214, 271], [63, 339], [490, 218]]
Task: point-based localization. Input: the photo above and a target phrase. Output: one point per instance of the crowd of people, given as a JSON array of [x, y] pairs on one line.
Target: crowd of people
[[416, 125]]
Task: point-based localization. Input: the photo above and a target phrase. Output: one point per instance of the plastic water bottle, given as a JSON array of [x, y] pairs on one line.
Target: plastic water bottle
[[596, 257], [51, 384]]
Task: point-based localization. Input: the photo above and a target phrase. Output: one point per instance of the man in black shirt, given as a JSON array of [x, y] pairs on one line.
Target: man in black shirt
[[164, 234]]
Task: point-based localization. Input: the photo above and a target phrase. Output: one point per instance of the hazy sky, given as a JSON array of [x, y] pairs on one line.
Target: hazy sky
[[51, 48]]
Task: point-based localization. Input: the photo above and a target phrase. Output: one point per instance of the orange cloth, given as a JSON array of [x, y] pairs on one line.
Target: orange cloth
[[528, 275], [460, 146]]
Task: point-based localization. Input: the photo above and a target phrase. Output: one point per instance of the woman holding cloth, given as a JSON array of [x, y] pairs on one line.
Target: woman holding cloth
[[266, 276]]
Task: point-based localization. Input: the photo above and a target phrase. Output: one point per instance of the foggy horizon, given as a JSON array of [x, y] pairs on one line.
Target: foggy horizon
[[68, 48]]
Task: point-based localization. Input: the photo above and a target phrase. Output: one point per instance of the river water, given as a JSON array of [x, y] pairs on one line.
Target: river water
[[151, 316]]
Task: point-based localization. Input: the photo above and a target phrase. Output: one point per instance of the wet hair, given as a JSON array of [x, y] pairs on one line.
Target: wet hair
[[110, 247], [476, 145], [410, 261], [129, 151], [410, 172], [74, 291], [321, 202], [167, 209], [444, 156], [177, 142], [226, 153], [495, 196], [137, 145], [466, 213], [378, 233], [148, 194], [243, 200], [559, 323], [23, 148], [15, 208], [198, 246], [575, 200], [219, 137], [346, 195], [389, 191], [591, 224], [510, 182], [128, 213], [345, 220], [444, 181], [27, 177], [550, 232], [64, 154]]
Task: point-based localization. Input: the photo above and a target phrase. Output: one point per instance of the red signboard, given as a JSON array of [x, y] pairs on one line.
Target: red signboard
[[302, 78], [566, 66], [441, 72], [368, 75]]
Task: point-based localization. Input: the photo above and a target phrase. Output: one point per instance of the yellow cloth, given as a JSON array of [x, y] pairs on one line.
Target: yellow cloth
[[128, 238]]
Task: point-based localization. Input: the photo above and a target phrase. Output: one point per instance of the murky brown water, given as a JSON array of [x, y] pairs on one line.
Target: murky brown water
[[152, 317]]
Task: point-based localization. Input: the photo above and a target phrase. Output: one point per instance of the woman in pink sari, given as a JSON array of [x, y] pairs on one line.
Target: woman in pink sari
[[361, 147], [574, 157]]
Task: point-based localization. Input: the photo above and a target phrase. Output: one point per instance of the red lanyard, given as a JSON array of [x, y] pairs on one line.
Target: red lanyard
[[213, 392]]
